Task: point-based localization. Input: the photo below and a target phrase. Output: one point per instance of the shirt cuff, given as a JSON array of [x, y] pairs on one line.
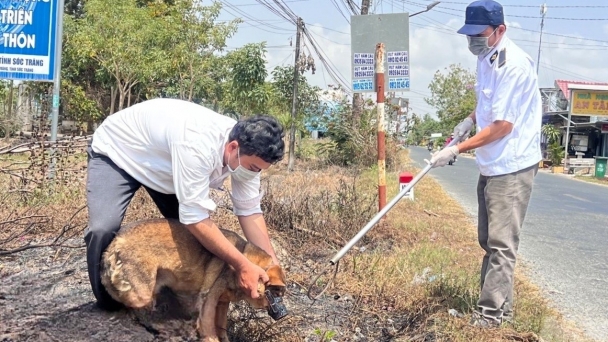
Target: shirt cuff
[[193, 214], [247, 207]]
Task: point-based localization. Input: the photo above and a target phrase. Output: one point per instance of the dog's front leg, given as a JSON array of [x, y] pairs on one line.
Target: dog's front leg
[[221, 320], [205, 323]]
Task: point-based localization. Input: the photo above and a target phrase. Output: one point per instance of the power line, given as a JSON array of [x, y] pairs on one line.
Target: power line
[[244, 14], [561, 35], [515, 27], [526, 16], [355, 9], [244, 5], [283, 61], [568, 72], [327, 28], [282, 12], [564, 46], [530, 6], [331, 69], [340, 10], [286, 13]]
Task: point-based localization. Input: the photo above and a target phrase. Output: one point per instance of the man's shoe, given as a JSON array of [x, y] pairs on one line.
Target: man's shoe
[[507, 318], [107, 303], [480, 321], [110, 306]]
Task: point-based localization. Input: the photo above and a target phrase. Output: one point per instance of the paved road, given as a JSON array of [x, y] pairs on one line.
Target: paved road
[[564, 238]]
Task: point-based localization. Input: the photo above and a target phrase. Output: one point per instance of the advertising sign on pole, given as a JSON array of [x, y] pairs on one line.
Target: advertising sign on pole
[[27, 39], [366, 32]]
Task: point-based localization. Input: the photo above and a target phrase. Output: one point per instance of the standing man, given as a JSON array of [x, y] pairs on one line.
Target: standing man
[[177, 151], [508, 117]]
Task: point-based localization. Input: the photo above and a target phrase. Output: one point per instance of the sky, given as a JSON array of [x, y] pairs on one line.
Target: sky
[[574, 40]]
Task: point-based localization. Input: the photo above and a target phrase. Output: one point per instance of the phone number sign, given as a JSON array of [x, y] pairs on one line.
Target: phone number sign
[[366, 32]]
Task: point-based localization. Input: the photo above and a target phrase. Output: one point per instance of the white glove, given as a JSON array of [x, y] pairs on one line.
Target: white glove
[[442, 157], [463, 129]]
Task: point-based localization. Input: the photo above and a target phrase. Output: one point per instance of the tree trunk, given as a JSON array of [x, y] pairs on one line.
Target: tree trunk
[[121, 96], [181, 86], [191, 82], [112, 99], [9, 113]]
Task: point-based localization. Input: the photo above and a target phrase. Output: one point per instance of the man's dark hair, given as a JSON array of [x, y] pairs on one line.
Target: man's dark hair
[[261, 136]]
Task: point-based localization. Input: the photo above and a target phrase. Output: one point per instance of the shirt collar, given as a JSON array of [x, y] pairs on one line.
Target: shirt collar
[[493, 55]]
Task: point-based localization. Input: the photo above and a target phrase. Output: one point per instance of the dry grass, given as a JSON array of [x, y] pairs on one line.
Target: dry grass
[[594, 180], [416, 265]]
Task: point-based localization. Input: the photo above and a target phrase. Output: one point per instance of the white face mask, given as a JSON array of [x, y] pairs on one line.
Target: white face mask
[[479, 45], [240, 173]]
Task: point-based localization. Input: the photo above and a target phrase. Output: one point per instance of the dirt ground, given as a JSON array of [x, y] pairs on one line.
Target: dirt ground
[[45, 292], [45, 296]]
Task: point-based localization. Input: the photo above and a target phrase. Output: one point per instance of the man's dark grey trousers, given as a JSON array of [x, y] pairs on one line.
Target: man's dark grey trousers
[[109, 192], [503, 203]]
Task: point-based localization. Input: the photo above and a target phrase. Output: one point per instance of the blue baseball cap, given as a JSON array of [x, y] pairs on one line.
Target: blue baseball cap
[[480, 15]]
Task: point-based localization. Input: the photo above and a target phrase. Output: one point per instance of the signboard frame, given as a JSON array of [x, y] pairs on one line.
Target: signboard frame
[[27, 40]]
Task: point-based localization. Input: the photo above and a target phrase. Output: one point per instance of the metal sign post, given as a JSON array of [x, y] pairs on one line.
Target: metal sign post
[[379, 55], [56, 86]]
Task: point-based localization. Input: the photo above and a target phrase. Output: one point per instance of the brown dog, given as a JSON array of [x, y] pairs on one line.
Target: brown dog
[[149, 254]]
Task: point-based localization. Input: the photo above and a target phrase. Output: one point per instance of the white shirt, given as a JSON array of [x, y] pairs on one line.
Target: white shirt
[[176, 147], [507, 90]]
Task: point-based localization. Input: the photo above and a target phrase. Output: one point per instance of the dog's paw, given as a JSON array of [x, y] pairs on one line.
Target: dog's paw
[[212, 339]]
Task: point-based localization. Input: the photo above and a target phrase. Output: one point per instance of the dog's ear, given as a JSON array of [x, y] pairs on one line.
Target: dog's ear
[[276, 277]]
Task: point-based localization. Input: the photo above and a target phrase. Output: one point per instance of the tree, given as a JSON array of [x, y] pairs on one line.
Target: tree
[[308, 97], [246, 89], [424, 128], [453, 95], [193, 37], [125, 40]]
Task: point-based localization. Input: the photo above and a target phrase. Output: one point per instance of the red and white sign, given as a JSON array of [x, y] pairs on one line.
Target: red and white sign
[[404, 180], [604, 128]]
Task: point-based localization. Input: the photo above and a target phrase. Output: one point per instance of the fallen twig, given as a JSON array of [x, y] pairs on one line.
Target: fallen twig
[[319, 235], [430, 213], [24, 248]]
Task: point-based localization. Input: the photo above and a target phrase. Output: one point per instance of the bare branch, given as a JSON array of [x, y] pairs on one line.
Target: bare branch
[[25, 248]]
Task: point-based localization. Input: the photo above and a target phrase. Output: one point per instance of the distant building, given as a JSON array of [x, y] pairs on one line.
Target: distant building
[[588, 127]]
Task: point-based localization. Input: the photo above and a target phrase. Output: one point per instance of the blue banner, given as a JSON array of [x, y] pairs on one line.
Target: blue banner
[[27, 39]]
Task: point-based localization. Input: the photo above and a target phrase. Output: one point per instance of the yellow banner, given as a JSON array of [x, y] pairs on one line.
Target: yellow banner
[[592, 103]]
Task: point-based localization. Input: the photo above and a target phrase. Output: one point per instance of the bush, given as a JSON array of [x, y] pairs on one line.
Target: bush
[[334, 207]]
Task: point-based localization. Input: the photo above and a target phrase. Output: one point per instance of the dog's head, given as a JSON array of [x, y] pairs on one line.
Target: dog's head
[[274, 292], [271, 293]]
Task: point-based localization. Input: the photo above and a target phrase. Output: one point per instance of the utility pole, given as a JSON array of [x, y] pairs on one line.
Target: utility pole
[[56, 86], [365, 5], [296, 71], [357, 97], [543, 11]]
